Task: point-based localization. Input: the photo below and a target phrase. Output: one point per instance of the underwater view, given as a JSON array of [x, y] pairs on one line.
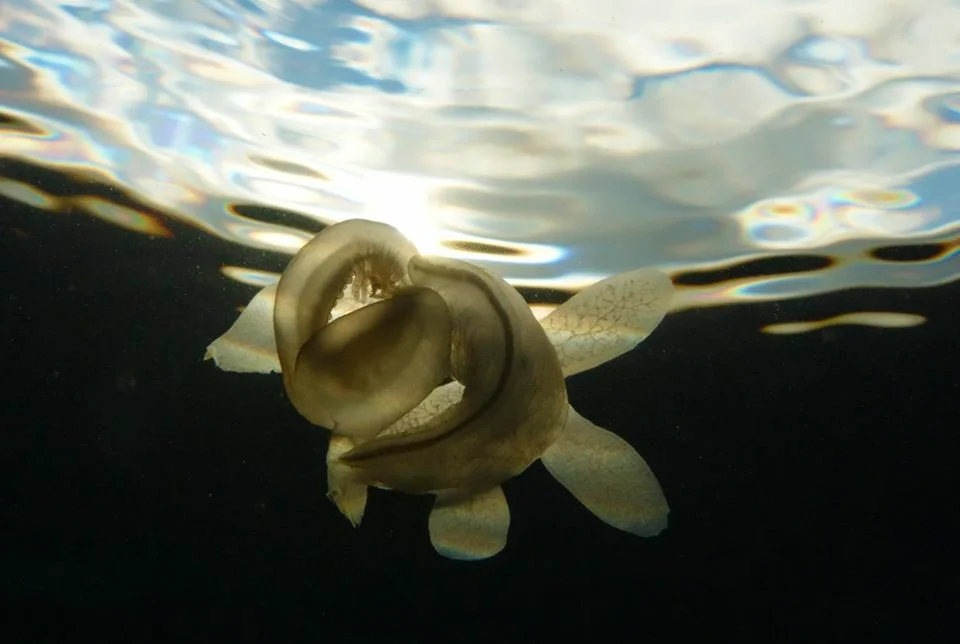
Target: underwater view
[[479, 320]]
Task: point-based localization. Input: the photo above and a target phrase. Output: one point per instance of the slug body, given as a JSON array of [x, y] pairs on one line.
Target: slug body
[[422, 320], [434, 376]]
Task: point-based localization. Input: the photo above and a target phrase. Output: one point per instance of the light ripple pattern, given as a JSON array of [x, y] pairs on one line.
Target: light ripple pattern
[[555, 142]]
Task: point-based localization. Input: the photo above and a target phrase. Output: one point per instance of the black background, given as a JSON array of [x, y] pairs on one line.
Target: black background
[[144, 494]]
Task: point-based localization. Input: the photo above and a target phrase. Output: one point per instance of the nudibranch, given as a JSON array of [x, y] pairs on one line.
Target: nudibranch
[[434, 377]]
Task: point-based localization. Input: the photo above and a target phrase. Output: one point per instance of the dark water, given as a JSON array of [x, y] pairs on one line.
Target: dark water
[[144, 494]]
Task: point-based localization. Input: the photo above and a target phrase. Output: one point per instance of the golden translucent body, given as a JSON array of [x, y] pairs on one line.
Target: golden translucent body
[[438, 379]]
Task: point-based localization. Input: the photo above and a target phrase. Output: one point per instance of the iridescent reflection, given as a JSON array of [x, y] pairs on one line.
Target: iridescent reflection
[[554, 145]]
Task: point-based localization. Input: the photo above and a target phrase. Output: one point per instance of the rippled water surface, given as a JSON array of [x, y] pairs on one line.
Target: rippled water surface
[[556, 142], [791, 164]]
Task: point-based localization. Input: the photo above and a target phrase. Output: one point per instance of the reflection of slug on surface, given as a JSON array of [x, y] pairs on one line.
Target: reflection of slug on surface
[[435, 377]]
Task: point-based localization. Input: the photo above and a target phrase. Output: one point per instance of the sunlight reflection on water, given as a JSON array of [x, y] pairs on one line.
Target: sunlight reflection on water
[[554, 142]]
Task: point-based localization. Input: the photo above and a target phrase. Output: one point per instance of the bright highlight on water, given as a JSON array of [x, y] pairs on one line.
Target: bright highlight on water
[[552, 145]]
